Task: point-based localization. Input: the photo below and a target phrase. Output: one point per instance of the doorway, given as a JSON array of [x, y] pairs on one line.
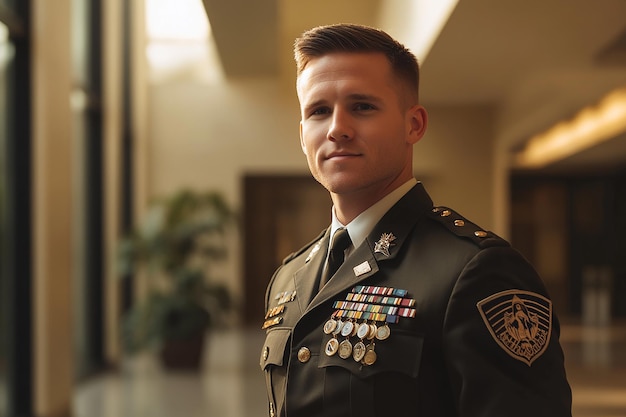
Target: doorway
[[281, 214], [572, 229]]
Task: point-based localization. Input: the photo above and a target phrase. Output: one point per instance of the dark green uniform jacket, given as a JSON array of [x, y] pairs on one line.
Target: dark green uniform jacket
[[444, 320]]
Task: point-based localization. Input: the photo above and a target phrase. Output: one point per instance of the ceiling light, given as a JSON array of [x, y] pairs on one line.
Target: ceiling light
[[176, 20], [416, 23], [591, 126]]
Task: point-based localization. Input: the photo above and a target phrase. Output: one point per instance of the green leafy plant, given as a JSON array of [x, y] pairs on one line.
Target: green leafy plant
[[177, 247]]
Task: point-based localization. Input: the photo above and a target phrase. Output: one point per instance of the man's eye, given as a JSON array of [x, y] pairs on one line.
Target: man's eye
[[320, 111], [363, 107]]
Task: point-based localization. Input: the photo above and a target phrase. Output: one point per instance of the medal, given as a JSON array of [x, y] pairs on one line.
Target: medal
[[345, 349], [363, 330], [330, 326], [358, 351], [365, 314], [331, 347], [383, 332], [347, 329], [370, 355]]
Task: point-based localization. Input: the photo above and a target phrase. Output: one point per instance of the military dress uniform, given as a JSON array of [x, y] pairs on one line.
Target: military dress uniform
[[430, 316]]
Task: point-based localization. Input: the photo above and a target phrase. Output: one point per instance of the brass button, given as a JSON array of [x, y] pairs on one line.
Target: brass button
[[459, 223], [304, 354], [480, 233], [266, 353], [446, 213]]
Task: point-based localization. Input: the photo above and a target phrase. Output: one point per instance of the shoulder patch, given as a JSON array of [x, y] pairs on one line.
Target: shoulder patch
[[464, 228], [519, 321]]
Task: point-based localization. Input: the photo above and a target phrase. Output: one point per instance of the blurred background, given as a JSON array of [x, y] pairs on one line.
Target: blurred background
[[151, 180]]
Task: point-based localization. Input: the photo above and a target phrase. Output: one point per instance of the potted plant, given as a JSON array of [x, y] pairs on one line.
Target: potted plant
[[177, 247]]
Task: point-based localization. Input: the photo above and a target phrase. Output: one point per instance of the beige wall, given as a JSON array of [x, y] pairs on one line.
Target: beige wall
[[208, 135], [454, 160]]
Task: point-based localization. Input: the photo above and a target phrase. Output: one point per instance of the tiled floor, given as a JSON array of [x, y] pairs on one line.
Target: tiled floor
[[232, 385], [596, 366]]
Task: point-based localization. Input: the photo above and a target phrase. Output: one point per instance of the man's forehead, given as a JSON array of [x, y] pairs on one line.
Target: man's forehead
[[345, 67]]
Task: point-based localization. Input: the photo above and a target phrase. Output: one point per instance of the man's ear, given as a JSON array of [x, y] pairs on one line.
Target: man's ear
[[302, 145], [417, 121]]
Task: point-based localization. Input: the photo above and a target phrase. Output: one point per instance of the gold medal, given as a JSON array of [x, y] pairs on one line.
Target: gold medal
[[331, 347], [330, 326], [358, 351], [383, 332], [345, 349], [370, 355]]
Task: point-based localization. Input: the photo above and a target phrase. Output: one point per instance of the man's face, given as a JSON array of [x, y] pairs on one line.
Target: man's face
[[355, 130]]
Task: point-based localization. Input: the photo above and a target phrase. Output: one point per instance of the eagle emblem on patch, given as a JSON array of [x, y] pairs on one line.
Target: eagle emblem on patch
[[519, 321]]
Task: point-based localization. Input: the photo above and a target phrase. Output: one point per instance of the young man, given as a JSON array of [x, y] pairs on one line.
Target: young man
[[428, 315]]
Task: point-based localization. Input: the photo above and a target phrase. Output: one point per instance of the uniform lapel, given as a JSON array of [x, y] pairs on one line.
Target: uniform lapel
[[345, 277], [306, 278]]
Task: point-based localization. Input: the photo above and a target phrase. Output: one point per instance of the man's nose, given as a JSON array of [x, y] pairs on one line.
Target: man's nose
[[341, 127]]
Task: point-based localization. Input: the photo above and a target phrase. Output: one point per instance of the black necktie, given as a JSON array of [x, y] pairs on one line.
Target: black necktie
[[341, 241]]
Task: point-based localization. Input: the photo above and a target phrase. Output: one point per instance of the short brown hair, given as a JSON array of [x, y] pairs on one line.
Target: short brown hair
[[323, 40]]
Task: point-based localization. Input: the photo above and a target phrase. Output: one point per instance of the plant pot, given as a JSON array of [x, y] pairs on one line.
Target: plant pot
[[183, 354]]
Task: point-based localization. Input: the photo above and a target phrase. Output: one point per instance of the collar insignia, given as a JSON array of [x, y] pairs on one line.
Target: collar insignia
[[519, 321], [384, 243], [311, 254]]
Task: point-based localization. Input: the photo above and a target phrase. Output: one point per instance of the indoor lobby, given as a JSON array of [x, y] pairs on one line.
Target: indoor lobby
[[116, 116]]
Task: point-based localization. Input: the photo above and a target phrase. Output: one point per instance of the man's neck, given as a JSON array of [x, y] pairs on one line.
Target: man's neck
[[349, 206]]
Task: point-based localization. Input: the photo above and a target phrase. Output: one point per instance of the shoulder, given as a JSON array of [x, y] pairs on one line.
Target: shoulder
[[464, 229]]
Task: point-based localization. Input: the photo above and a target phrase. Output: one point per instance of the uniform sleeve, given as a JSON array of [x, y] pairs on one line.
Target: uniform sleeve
[[500, 341]]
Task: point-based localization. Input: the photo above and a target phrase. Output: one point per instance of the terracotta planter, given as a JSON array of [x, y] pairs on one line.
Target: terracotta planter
[[183, 354]]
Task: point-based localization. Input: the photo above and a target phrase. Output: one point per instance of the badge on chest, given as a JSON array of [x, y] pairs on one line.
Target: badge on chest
[[363, 318]]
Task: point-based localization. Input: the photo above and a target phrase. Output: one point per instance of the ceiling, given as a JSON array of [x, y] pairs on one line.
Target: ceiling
[[534, 61]]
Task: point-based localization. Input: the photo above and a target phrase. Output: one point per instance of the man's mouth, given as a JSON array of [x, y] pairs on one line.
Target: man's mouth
[[341, 155]]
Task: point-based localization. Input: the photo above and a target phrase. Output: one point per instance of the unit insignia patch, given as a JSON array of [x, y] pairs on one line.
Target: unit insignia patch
[[519, 321]]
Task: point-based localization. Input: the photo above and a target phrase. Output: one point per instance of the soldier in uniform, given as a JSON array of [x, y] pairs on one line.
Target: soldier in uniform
[[399, 308]]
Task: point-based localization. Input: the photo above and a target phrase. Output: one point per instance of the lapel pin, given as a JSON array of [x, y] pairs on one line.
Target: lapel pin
[[384, 243]]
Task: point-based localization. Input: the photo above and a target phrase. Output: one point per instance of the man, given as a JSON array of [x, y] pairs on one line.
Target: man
[[428, 315]]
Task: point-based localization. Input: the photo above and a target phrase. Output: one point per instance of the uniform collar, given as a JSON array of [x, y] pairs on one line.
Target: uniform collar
[[364, 223]]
